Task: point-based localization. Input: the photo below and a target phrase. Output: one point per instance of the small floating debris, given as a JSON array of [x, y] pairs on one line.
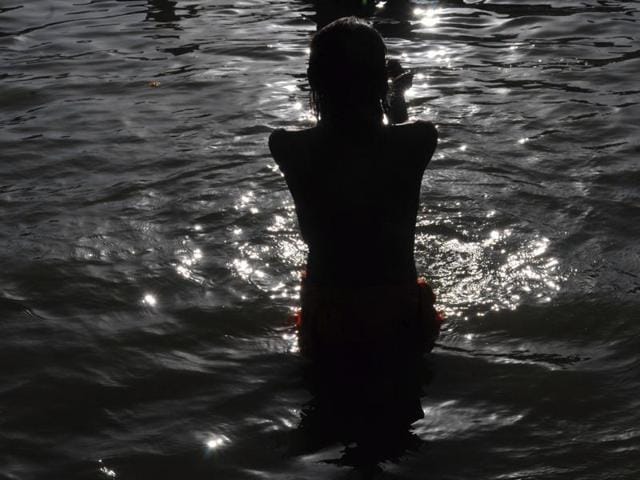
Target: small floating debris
[[154, 84]]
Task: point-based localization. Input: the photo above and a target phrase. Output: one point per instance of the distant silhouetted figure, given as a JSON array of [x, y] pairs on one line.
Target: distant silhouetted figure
[[330, 10], [365, 319]]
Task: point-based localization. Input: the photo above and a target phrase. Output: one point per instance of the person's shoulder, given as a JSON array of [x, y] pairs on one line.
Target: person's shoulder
[[416, 140], [420, 132], [285, 144]]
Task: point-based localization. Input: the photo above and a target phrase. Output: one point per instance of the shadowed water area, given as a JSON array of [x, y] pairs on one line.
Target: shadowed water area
[[150, 257]]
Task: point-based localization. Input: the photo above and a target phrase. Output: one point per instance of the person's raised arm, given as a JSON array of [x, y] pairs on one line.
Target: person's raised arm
[[401, 81]]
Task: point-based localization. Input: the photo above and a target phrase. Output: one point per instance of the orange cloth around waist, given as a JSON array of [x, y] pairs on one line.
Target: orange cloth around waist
[[401, 316]]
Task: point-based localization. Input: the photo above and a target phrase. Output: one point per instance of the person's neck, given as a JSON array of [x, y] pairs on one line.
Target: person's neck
[[352, 121]]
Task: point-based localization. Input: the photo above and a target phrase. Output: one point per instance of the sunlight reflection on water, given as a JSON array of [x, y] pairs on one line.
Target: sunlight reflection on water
[[150, 299], [451, 419], [216, 441], [477, 275], [106, 471], [429, 17], [282, 249]]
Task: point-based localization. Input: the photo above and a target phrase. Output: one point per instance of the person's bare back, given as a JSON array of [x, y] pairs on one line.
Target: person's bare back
[[356, 194]]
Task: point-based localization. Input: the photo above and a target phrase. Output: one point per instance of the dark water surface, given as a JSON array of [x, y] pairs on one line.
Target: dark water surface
[[149, 254]]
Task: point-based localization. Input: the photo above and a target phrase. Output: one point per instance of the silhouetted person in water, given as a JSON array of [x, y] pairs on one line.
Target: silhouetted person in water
[[365, 320]]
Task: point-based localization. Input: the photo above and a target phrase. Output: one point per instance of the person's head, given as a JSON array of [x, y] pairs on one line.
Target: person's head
[[347, 72]]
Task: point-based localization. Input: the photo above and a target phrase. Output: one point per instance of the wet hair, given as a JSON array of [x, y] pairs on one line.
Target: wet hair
[[347, 73]]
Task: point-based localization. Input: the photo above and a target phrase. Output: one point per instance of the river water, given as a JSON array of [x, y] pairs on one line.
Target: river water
[[150, 256]]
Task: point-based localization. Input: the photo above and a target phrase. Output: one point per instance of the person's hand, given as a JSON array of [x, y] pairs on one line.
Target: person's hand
[[401, 79]]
